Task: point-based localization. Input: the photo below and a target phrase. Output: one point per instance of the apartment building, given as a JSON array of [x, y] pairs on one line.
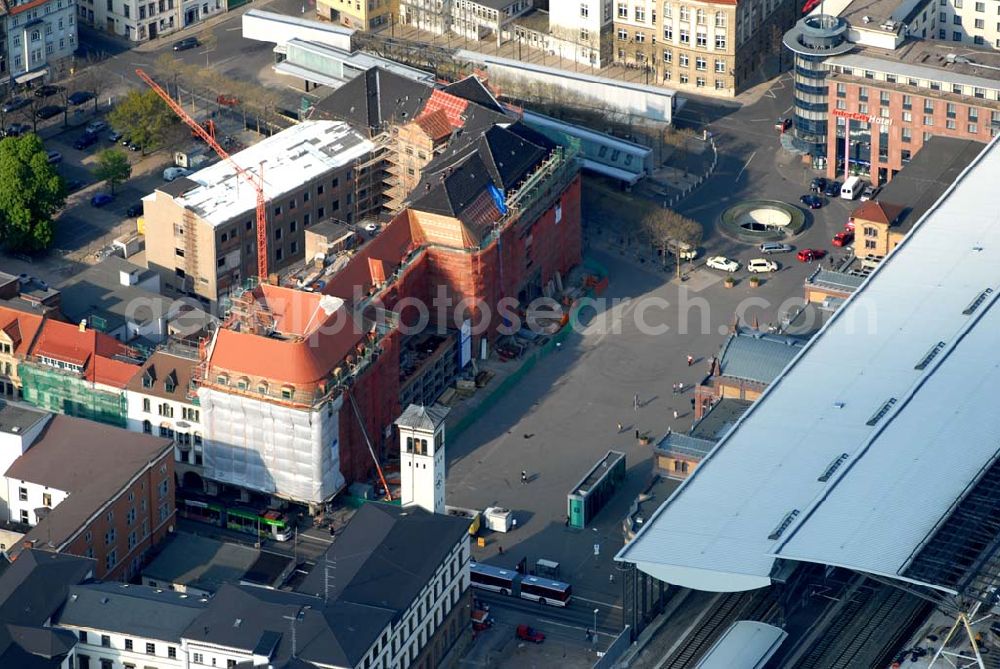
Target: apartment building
[[712, 48], [72, 369], [17, 334], [37, 39], [93, 490], [967, 22], [162, 401], [201, 230], [486, 19], [359, 14], [125, 625], [587, 23]]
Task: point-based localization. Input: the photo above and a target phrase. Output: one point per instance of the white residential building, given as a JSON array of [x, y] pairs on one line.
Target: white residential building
[[38, 39], [19, 427], [967, 22], [159, 402], [587, 23], [143, 20], [123, 626]]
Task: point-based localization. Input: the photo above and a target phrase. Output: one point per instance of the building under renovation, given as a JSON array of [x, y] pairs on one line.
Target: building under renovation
[[299, 390]]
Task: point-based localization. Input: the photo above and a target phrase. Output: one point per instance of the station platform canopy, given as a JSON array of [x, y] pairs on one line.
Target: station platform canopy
[[876, 449]]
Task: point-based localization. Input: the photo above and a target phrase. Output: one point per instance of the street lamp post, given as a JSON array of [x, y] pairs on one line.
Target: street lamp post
[[595, 626]]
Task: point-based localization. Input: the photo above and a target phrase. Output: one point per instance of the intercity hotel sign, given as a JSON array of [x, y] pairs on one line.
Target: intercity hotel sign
[[858, 116]]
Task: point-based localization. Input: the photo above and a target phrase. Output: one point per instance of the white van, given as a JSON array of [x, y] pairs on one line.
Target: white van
[[682, 250], [852, 188]]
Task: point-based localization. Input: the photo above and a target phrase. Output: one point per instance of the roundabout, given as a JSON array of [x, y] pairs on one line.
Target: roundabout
[[755, 221]]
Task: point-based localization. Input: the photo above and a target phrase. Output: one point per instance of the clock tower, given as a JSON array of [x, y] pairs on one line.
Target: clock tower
[[421, 456]]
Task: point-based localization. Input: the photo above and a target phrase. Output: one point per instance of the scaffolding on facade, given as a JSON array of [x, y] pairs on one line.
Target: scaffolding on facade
[[66, 392]]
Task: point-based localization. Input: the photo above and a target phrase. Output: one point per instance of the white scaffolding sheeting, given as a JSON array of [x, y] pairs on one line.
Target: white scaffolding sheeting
[[279, 450]]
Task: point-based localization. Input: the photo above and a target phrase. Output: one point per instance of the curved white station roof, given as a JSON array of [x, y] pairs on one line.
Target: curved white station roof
[[862, 445]]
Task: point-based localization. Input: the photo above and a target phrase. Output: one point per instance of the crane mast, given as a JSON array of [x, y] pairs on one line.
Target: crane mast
[[255, 180]]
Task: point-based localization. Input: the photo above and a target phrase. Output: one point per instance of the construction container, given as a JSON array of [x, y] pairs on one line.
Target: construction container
[[499, 519], [475, 518], [597, 487]]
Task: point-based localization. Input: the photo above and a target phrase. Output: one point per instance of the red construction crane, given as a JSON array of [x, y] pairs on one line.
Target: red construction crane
[[255, 180]]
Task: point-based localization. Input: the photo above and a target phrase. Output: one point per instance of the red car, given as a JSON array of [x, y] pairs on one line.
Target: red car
[[808, 255], [843, 238], [527, 633]]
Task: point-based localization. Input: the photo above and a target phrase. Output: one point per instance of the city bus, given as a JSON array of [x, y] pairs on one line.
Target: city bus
[[492, 578], [545, 591]]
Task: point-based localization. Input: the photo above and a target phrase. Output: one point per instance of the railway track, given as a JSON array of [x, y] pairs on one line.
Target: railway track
[[727, 609]]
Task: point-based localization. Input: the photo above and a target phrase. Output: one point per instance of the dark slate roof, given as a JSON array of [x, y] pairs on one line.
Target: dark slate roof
[[386, 555], [251, 618], [757, 356], [34, 647], [927, 176], [420, 417], [200, 562], [375, 99], [508, 157], [525, 131], [452, 190], [474, 90], [132, 610], [720, 418], [36, 584]]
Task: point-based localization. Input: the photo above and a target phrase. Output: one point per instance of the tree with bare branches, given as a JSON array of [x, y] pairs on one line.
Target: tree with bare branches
[[668, 232]]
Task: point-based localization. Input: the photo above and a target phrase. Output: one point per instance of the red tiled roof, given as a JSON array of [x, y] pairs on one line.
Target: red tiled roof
[[877, 212], [92, 350], [21, 327], [390, 246], [13, 11], [434, 123], [453, 106], [314, 342]]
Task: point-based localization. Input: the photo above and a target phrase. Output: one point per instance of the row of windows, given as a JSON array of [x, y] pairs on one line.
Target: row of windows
[[684, 14], [683, 37]]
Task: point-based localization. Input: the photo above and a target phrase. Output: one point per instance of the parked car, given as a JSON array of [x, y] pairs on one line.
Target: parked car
[[186, 43], [843, 238], [811, 201], [53, 157], [774, 247], [16, 129], [48, 111], [722, 263], [101, 199], [129, 144], [134, 210], [227, 100], [96, 126], [783, 124], [85, 141], [80, 97], [172, 173], [526, 633], [114, 137], [74, 185], [817, 185], [762, 265], [15, 103], [832, 189], [869, 193], [47, 90], [808, 255]]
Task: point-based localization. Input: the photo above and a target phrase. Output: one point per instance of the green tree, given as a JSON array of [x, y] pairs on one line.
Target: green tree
[[113, 167], [143, 117], [31, 191]]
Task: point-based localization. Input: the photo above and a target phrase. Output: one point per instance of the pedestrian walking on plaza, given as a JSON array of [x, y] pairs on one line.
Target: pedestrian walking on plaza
[[611, 578], [620, 427], [680, 387], [675, 414], [674, 388], [500, 549], [524, 477], [635, 401], [690, 360], [513, 523]]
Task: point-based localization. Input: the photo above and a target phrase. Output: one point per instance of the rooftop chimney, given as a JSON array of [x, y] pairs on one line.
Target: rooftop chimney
[[83, 325]]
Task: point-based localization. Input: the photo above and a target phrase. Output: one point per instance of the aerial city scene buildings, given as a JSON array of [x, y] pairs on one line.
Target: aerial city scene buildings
[[507, 333]]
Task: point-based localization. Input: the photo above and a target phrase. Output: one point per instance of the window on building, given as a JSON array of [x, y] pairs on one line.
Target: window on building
[[720, 19], [683, 60], [685, 36], [106, 641], [928, 120], [47, 499], [22, 494], [668, 56], [862, 108], [951, 110], [973, 129], [700, 63], [720, 42], [701, 39], [640, 13], [906, 135], [956, 36], [640, 37], [584, 10], [150, 648], [950, 124], [668, 32], [683, 78], [720, 66], [172, 652]]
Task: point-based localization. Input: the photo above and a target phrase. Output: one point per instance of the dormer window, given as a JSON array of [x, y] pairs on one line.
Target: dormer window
[[222, 380], [262, 388], [171, 383], [287, 392], [243, 383], [147, 381]]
